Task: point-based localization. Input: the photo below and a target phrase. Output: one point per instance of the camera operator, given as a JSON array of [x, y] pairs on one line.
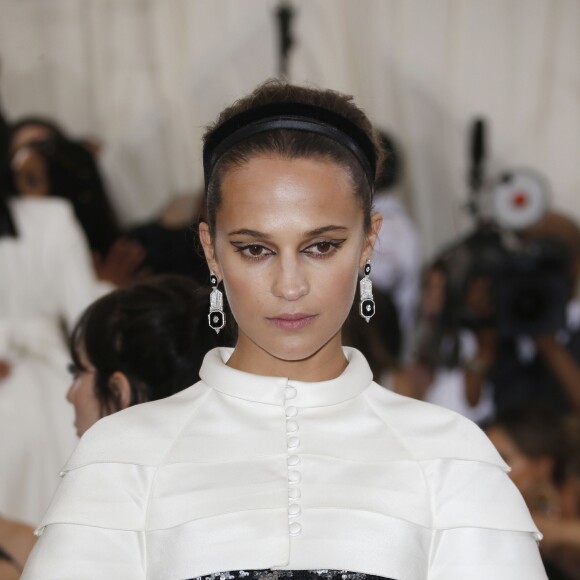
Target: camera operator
[[441, 349], [544, 367]]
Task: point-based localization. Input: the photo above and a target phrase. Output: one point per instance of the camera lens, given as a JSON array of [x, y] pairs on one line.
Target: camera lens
[[529, 304]]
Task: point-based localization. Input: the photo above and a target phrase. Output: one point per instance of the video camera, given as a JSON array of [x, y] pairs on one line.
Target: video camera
[[527, 276]]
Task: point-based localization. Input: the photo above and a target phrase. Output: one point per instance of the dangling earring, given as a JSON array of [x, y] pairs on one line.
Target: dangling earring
[[367, 304], [216, 316]]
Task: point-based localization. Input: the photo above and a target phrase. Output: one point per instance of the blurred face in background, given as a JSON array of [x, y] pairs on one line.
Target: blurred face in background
[[30, 173], [82, 395], [29, 134], [433, 298]]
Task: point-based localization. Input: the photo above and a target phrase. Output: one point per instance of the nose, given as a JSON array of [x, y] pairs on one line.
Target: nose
[[69, 393], [290, 279]]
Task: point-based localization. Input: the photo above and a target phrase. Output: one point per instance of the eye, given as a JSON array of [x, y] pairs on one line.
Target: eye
[[324, 248], [253, 251], [73, 370]]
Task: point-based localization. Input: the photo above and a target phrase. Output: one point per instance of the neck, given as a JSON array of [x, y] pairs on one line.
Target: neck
[[325, 364]]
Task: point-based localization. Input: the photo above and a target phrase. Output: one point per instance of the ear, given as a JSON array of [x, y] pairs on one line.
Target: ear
[[121, 388], [209, 249], [371, 237]]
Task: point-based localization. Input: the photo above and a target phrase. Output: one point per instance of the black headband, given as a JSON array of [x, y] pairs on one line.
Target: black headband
[[295, 116]]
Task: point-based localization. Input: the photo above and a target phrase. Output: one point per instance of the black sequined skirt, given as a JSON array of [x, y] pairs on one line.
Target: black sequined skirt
[[290, 575]]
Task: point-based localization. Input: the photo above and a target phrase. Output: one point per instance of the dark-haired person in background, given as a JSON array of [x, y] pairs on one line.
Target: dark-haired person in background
[[397, 261], [138, 344], [43, 161], [535, 443], [71, 173], [134, 345]]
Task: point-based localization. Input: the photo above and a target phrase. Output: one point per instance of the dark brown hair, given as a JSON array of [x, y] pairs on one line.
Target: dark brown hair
[[155, 332], [293, 144], [537, 432]]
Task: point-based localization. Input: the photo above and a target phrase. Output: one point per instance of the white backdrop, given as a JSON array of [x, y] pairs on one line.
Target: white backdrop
[[144, 76]]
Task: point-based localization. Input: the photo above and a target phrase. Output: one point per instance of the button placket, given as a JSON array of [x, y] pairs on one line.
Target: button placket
[[293, 461]]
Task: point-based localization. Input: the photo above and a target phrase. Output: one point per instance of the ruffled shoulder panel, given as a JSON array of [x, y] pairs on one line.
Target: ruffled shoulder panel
[[432, 432], [107, 482], [139, 435], [469, 487], [470, 494]]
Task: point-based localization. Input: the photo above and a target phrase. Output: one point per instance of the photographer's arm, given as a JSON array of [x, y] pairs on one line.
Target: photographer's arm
[[17, 540], [8, 571], [564, 367], [559, 534]]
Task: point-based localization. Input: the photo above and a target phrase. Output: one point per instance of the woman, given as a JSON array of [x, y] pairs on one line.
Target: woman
[[286, 459], [46, 280], [70, 173], [134, 345]]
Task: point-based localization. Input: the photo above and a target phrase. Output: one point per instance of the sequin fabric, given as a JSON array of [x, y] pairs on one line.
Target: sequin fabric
[[290, 575]]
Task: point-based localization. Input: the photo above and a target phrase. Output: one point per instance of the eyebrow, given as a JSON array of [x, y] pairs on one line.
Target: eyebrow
[[262, 235]]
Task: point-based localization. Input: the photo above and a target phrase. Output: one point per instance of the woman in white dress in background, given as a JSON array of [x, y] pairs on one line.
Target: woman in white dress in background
[[46, 280]]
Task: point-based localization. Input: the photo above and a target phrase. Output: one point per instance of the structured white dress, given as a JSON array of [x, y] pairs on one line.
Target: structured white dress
[[246, 472], [46, 280]]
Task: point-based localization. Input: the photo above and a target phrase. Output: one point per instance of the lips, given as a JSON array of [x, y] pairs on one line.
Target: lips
[[292, 321]]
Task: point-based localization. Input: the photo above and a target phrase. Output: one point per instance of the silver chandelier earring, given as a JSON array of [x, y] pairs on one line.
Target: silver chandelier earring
[[216, 316], [367, 304]]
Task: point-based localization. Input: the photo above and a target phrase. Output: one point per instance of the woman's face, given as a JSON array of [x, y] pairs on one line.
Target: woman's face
[[30, 133], [82, 395], [288, 244], [30, 173]]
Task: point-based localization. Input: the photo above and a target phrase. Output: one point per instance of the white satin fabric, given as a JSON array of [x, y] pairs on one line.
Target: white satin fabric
[[247, 472], [46, 280]]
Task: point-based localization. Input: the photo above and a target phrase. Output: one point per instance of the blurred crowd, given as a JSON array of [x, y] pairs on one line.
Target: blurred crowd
[[490, 332]]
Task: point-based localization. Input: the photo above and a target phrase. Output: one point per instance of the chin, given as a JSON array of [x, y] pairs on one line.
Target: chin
[[295, 351]]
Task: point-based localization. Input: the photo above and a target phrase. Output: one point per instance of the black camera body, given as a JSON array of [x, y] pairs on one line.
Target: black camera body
[[529, 283], [533, 289]]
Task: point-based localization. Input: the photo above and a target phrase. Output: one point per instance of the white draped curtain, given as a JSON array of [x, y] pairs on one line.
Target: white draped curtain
[[145, 76]]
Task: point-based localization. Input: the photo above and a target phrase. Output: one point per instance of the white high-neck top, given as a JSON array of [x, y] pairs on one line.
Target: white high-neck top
[[246, 472]]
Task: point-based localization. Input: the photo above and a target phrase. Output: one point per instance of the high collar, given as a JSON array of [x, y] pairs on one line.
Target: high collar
[[280, 390]]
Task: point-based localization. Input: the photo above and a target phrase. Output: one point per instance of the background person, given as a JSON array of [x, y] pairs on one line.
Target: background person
[[47, 280], [131, 346], [544, 368], [397, 259], [535, 443]]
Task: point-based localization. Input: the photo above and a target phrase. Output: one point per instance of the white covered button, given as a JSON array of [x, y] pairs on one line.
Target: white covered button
[[293, 460], [291, 426], [290, 393], [291, 411], [294, 476], [294, 493], [293, 442], [294, 509], [295, 528]]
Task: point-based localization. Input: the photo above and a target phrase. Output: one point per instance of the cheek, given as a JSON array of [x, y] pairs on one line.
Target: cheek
[[339, 289], [86, 402], [246, 290]]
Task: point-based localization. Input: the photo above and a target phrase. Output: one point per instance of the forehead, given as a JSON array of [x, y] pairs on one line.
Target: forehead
[[29, 133], [273, 191]]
